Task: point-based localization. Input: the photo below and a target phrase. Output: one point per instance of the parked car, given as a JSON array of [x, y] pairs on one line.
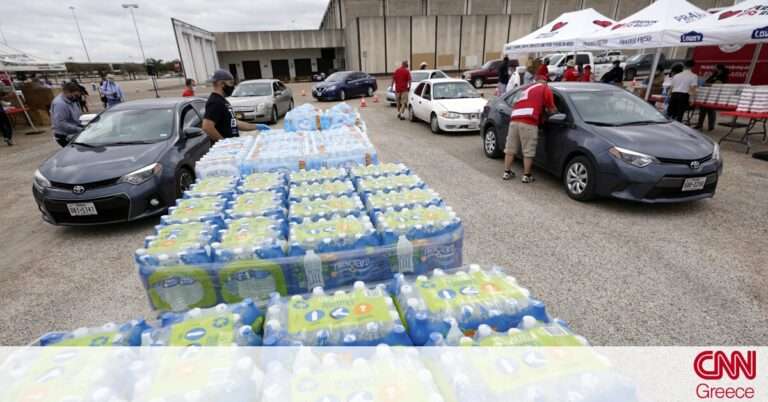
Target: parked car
[[317, 77], [447, 104], [416, 77], [640, 65], [610, 56], [345, 84], [132, 161], [488, 73], [607, 142], [557, 62], [261, 101]]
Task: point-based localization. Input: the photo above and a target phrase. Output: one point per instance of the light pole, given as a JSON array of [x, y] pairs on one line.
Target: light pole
[[77, 24], [131, 7]]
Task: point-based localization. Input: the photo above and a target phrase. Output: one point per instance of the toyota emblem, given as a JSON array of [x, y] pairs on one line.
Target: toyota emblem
[[78, 189], [695, 165]]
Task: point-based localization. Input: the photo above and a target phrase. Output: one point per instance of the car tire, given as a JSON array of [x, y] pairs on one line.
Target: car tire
[[274, 117], [579, 179], [290, 105], [433, 124], [630, 74], [411, 116], [342, 95], [369, 93], [478, 82], [491, 146], [184, 179]]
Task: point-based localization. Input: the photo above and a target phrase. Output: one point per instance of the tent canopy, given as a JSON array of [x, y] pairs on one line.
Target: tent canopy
[[745, 22], [563, 33], [15, 60], [654, 26]]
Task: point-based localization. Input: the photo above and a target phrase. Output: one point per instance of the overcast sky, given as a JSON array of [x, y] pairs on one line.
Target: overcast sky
[[46, 29]]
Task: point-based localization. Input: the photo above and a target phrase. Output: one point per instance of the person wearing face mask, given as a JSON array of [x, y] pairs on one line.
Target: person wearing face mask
[[219, 120], [112, 91], [65, 114]]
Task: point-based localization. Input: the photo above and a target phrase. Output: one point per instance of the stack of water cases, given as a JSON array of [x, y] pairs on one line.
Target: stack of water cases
[[224, 158], [359, 316], [308, 118], [232, 238], [109, 334], [450, 305]]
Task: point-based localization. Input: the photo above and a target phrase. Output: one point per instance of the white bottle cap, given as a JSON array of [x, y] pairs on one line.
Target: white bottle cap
[[318, 291], [528, 322], [438, 272], [484, 330], [359, 285], [274, 325]]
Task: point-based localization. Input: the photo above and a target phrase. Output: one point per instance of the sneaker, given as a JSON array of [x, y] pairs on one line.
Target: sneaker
[[9, 142], [508, 174], [528, 179]]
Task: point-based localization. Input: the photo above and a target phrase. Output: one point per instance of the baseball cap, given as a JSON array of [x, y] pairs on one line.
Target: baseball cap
[[222, 75]]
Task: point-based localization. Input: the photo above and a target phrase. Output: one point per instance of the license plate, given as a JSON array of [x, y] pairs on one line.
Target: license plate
[[474, 116], [694, 183], [82, 209], [239, 115]]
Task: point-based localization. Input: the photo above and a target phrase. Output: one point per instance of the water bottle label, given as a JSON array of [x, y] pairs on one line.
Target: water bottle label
[[538, 336], [212, 330], [451, 292], [336, 312]]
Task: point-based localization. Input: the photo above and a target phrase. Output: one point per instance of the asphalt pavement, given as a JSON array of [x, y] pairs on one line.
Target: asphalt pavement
[[620, 273]]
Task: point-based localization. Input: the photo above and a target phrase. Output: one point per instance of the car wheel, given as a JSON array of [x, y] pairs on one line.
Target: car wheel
[[433, 124], [370, 92], [478, 82], [579, 179], [411, 116], [631, 73], [342, 95], [491, 145], [184, 180], [274, 117], [290, 105]]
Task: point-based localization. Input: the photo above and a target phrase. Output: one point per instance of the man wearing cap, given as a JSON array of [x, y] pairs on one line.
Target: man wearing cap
[[524, 124], [219, 120], [423, 65], [570, 73]]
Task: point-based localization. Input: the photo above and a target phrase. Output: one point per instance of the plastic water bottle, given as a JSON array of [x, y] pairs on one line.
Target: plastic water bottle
[[404, 255], [313, 268]]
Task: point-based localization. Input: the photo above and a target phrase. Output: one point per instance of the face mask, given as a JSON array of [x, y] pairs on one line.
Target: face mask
[[228, 89], [72, 98]]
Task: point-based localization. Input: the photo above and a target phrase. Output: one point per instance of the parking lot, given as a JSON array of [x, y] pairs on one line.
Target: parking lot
[[619, 273]]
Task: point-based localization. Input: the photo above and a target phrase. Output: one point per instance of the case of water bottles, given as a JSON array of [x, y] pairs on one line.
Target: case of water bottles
[[309, 118], [289, 233], [459, 301], [109, 334], [360, 316]]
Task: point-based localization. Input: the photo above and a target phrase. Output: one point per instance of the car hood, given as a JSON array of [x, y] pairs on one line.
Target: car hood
[[75, 164], [465, 105], [670, 140], [248, 100]]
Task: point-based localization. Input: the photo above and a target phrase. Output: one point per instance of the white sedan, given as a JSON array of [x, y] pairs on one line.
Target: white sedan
[[447, 104]]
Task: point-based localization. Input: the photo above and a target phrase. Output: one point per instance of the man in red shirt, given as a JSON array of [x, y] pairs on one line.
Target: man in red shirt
[[527, 114], [401, 81], [543, 70], [570, 73], [586, 76]]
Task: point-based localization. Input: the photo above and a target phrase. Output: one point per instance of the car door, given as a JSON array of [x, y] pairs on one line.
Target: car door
[[425, 102], [501, 114], [492, 76], [553, 139], [414, 98], [279, 98], [192, 148], [286, 95], [353, 84]]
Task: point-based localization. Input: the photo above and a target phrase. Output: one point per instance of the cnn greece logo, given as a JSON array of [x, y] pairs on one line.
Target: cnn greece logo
[[713, 365]]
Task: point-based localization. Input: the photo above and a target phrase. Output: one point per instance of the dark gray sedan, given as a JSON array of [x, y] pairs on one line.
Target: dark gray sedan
[[607, 142]]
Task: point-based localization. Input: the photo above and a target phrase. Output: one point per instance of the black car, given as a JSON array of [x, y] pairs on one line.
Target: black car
[[607, 142], [130, 162], [345, 84]]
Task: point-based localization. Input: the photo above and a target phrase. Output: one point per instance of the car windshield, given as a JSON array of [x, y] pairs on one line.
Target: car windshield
[[253, 89], [488, 65], [635, 58], [615, 108], [454, 90], [554, 59], [418, 76], [128, 126], [336, 77]]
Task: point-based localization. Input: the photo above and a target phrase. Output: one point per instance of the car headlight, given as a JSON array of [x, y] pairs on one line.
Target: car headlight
[[331, 88], [40, 182], [450, 115], [140, 176], [261, 107], [716, 152], [633, 158]]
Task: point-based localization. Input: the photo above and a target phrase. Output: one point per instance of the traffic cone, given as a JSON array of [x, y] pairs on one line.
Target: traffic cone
[[363, 103], [375, 98], [303, 92]]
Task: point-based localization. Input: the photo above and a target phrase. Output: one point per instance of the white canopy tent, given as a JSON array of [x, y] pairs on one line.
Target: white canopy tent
[[12, 60], [745, 22], [563, 33]]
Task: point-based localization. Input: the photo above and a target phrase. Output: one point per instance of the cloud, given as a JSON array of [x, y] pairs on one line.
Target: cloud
[[46, 29]]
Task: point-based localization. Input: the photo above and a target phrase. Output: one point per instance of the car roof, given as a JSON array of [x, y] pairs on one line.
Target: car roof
[[154, 103], [262, 80], [583, 86], [427, 71], [440, 80]]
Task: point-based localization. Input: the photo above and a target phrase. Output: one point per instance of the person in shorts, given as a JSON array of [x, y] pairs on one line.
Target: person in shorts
[[401, 82], [527, 114]]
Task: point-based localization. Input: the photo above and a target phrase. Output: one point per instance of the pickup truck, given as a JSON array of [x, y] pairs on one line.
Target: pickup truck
[[488, 73], [557, 63]]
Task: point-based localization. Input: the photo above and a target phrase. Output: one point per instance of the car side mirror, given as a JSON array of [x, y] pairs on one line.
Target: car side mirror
[[278, 93], [558, 118], [192, 132]]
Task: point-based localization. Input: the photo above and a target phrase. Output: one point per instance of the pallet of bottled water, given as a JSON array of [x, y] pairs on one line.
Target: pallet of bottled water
[[110, 334], [233, 238], [360, 316], [459, 301], [530, 332], [225, 157], [309, 118]]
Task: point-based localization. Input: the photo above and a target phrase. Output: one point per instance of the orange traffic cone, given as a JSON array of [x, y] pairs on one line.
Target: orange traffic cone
[[363, 103], [375, 98], [303, 92]]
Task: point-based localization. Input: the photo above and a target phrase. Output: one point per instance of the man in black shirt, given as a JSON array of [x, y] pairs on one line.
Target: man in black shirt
[[219, 120], [614, 75]]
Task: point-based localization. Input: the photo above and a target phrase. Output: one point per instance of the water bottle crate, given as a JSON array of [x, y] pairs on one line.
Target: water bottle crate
[[214, 186], [321, 189], [251, 237], [197, 209], [184, 243], [319, 175], [109, 334], [263, 182], [530, 332], [354, 317], [388, 183], [261, 203], [325, 207], [418, 222], [466, 297], [337, 233], [401, 199], [382, 169]]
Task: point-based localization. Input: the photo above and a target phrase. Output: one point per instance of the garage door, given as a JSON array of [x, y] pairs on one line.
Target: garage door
[[303, 68], [280, 70], [251, 70]]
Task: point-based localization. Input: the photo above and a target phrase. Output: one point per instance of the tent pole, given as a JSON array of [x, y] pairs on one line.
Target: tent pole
[[23, 107], [653, 73], [753, 64]]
